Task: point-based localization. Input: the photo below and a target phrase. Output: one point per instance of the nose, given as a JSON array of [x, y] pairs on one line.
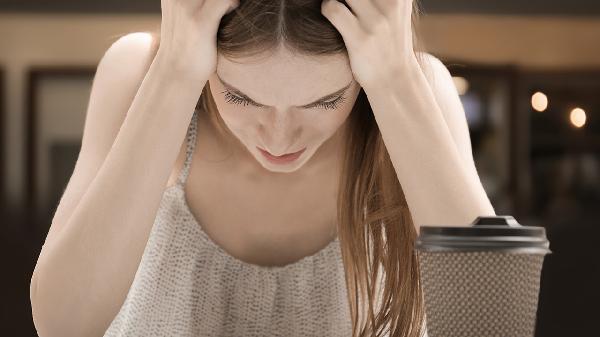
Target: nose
[[279, 134]]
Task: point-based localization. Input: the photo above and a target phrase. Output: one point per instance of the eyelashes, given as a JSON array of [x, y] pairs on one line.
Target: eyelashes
[[235, 99], [332, 104]]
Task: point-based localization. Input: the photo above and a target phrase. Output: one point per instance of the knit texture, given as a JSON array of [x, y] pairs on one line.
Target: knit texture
[[187, 285]]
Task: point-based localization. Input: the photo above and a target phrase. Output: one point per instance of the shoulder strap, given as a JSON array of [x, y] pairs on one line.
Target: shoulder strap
[[190, 144]]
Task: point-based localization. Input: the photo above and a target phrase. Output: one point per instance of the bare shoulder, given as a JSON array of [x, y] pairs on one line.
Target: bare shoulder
[[133, 53], [140, 41], [435, 70]]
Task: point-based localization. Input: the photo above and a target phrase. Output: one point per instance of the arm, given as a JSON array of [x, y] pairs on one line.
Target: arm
[[422, 126], [103, 221], [424, 129]]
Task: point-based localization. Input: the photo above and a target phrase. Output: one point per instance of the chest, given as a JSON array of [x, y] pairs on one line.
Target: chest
[[262, 222]]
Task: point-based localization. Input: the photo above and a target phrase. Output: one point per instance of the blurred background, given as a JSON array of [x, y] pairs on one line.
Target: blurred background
[[529, 78]]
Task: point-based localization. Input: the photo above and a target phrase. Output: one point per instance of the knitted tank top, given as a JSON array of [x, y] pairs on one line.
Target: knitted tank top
[[187, 285]]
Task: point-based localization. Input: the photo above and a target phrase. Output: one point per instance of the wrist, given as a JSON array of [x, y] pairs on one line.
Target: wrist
[[173, 68]]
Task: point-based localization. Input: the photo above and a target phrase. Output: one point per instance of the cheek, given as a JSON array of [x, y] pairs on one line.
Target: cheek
[[329, 121], [236, 118]]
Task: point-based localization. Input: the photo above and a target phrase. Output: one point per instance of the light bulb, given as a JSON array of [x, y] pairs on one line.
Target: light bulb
[[578, 117], [539, 101]]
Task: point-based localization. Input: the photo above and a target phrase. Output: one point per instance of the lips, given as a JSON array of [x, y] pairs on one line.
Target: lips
[[283, 155], [283, 159]]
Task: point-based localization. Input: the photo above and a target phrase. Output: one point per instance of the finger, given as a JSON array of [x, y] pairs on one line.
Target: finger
[[343, 20], [366, 11]]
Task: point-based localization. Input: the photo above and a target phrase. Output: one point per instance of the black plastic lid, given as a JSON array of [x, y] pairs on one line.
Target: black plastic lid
[[500, 232]]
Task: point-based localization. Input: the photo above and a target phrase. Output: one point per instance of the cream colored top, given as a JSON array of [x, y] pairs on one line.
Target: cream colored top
[[187, 285]]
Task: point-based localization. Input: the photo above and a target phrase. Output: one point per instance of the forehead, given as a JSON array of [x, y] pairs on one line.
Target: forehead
[[285, 77]]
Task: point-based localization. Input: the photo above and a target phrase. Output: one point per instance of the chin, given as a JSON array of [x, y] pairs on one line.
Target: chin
[[280, 168]]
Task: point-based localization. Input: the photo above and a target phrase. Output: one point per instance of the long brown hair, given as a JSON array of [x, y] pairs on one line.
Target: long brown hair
[[375, 228]]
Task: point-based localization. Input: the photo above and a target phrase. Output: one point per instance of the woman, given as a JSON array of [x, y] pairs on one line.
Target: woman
[[321, 142]]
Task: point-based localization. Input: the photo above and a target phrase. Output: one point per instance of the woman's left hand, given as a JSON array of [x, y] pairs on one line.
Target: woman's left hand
[[378, 37]]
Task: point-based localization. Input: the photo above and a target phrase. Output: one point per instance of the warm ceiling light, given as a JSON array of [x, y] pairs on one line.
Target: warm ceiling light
[[461, 84], [539, 101], [578, 117]]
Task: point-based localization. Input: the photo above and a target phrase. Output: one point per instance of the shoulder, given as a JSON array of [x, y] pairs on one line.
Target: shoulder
[[440, 81], [434, 69], [134, 42], [130, 52]]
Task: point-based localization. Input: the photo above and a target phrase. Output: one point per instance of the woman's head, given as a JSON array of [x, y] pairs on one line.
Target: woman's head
[[284, 54]]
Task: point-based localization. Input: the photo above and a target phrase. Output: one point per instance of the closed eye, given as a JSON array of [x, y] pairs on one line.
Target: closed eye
[[237, 100]]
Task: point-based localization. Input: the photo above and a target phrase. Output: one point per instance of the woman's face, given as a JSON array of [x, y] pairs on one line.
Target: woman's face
[[284, 104]]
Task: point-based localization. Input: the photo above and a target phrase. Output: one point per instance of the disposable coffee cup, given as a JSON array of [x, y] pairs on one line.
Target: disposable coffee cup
[[481, 280]]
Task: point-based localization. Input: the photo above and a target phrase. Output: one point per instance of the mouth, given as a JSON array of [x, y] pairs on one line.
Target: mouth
[[283, 159]]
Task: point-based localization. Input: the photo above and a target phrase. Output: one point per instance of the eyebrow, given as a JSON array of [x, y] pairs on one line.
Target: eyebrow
[[322, 99]]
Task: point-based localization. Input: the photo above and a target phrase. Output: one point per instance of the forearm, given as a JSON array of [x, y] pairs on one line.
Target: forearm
[[439, 186]]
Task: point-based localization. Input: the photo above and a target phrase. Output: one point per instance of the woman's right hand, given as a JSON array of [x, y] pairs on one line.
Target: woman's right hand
[[188, 35]]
